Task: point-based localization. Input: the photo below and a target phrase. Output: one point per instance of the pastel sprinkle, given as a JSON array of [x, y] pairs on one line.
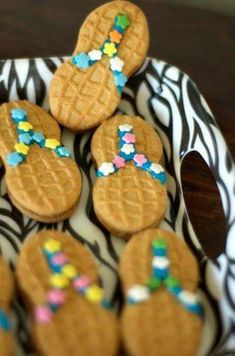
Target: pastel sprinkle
[[94, 293], [38, 137], [58, 280], [14, 158], [129, 138], [81, 60], [81, 282], [123, 21], [25, 126], [59, 259], [52, 143], [18, 115], [25, 138], [115, 36], [120, 79], [43, 314], [64, 151], [110, 49], [22, 148], [119, 161], [69, 271], [52, 245], [56, 296]]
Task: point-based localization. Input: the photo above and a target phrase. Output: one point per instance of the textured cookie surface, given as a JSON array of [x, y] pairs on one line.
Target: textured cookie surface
[[79, 327], [45, 187], [160, 325], [83, 98], [6, 293], [130, 199]]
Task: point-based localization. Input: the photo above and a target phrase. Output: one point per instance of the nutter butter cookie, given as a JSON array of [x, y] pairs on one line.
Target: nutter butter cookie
[[7, 347], [162, 314], [59, 283], [112, 44], [130, 193], [42, 179]]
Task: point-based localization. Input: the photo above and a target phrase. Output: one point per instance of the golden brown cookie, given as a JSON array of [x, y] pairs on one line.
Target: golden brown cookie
[[58, 281], [129, 194], [6, 293], [42, 180], [162, 315], [112, 44]]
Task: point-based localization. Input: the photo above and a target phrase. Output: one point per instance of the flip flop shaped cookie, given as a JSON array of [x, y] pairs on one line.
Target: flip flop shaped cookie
[[58, 280], [42, 180], [130, 192], [160, 276], [6, 294], [112, 44]]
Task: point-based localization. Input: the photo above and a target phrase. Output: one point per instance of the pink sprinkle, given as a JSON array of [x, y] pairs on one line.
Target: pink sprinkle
[[56, 296], [140, 159], [43, 314], [119, 161], [129, 138], [81, 282], [59, 259]]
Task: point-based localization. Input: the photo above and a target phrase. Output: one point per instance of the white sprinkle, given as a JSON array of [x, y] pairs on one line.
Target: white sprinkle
[[160, 262], [138, 293]]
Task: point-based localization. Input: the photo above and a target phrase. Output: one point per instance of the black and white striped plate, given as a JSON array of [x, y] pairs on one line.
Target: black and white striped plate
[[171, 102]]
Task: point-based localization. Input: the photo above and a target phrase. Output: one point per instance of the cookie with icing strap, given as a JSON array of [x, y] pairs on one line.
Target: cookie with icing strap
[[42, 179], [130, 193], [162, 314], [112, 44], [59, 281], [7, 345]]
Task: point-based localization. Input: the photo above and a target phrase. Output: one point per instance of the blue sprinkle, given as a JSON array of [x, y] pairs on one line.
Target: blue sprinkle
[[120, 79], [15, 158], [118, 28], [81, 60], [39, 138], [4, 322], [160, 273], [175, 290], [25, 138], [18, 115], [127, 157], [195, 308], [159, 251], [63, 151]]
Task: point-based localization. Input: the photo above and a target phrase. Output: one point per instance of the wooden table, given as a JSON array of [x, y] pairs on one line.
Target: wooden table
[[199, 42]]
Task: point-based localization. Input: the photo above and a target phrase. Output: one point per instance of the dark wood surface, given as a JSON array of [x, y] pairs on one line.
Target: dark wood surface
[[201, 43]]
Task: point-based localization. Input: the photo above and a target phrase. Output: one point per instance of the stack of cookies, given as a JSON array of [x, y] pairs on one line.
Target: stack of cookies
[[56, 276]]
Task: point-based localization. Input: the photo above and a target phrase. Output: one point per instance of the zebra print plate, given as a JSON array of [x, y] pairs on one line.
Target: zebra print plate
[[169, 100]]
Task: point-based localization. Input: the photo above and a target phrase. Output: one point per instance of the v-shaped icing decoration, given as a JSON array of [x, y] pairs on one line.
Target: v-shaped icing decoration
[[161, 277], [127, 152], [109, 48], [27, 136], [64, 274]]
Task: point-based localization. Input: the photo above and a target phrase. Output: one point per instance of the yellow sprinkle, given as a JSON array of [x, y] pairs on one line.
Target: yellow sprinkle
[[110, 49], [22, 148], [69, 271], [94, 294], [58, 280], [25, 126], [52, 245], [52, 143]]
